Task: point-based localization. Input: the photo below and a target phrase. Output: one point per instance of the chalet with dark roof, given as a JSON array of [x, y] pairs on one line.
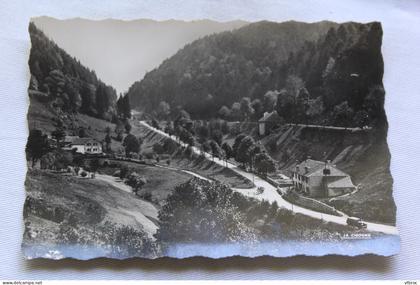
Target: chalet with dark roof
[[321, 179]]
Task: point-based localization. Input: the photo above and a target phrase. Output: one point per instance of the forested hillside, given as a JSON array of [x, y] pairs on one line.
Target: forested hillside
[[323, 72], [63, 83]]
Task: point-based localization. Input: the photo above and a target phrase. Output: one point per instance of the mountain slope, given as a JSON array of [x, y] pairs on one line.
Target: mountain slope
[[61, 82], [336, 62], [224, 65]]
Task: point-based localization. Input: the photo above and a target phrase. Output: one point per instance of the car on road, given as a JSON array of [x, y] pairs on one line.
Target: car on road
[[356, 222], [260, 190]]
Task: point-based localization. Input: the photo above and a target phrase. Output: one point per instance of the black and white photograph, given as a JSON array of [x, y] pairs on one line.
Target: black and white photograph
[[170, 138]]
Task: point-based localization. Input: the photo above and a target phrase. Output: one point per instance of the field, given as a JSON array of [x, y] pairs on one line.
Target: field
[[158, 187], [57, 204]]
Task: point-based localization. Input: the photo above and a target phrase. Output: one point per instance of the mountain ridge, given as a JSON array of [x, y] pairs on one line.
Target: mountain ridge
[[60, 80], [220, 69]]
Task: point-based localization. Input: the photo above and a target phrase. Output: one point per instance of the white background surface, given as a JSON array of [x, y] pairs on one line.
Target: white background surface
[[401, 44]]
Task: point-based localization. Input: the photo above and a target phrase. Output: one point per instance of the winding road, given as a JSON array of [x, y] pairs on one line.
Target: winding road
[[270, 192]]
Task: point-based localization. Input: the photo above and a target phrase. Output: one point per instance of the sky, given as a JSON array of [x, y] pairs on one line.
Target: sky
[[121, 52]]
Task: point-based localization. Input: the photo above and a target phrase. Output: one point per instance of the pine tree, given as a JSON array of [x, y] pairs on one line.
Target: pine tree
[[36, 146]]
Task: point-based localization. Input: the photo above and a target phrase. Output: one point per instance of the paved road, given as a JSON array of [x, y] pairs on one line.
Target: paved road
[[270, 192]]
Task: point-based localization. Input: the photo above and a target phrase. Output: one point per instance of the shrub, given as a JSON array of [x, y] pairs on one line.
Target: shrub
[[188, 151], [199, 211], [136, 181], [170, 146], [131, 144], [124, 171], [217, 136], [134, 155], [128, 242], [83, 174], [94, 164], [155, 124], [146, 196], [225, 127], [56, 160], [158, 148], [67, 234], [235, 129], [121, 241], [264, 164], [149, 155], [119, 137]]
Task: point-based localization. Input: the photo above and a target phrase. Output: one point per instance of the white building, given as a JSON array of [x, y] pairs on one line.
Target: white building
[[268, 122], [82, 145]]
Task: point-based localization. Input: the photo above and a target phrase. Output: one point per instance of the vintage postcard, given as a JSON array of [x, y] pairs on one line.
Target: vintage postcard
[[173, 138]]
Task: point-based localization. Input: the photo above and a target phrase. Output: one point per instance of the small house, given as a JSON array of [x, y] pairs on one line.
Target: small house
[[321, 179], [269, 121]]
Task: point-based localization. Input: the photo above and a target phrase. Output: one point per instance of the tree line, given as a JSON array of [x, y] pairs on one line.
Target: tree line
[[208, 136], [63, 82], [333, 76]]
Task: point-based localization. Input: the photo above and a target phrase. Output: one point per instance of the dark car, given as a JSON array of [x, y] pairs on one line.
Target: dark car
[[356, 222]]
